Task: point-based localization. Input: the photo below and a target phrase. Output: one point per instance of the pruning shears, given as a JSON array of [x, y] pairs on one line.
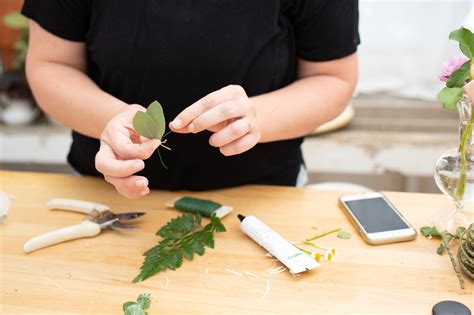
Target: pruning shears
[[98, 217]]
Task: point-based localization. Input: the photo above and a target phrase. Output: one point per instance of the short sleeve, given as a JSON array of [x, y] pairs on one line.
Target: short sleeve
[[324, 29], [68, 19]]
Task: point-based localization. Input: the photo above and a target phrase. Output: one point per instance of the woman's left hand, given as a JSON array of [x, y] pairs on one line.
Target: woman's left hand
[[229, 114]]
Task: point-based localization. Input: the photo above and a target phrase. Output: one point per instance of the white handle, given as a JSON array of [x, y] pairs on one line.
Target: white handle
[[83, 229], [75, 205]]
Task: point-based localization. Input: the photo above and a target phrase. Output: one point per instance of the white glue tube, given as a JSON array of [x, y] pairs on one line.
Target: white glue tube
[[294, 259]]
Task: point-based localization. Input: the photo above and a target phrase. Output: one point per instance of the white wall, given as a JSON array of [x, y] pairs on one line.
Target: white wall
[[405, 42]]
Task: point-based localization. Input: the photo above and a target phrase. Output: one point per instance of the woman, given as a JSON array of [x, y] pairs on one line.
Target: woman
[[241, 83]]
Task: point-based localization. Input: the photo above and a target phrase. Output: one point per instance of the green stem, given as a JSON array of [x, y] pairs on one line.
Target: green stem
[[322, 234], [462, 152]]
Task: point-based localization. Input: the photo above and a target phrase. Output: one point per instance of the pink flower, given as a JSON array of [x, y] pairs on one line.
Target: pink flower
[[452, 65]]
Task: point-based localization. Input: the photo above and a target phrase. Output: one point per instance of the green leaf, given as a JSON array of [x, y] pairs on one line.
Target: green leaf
[[144, 300], [459, 77], [465, 39], [440, 249], [134, 309], [145, 125], [155, 110], [428, 231], [198, 247], [450, 97], [344, 235], [217, 224], [188, 251], [16, 20], [127, 304]]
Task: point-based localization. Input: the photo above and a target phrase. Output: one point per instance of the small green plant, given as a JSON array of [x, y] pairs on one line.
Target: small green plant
[[446, 243], [181, 237], [138, 307]]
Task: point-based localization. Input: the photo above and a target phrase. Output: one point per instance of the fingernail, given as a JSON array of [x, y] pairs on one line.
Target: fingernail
[[139, 165], [144, 192], [141, 183], [177, 123], [191, 128], [156, 144]]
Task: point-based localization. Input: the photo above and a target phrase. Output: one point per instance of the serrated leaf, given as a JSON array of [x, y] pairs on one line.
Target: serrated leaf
[[344, 235], [155, 110], [145, 125], [450, 97], [208, 239], [144, 300], [465, 39], [198, 247], [428, 231], [217, 224], [459, 77], [188, 251]]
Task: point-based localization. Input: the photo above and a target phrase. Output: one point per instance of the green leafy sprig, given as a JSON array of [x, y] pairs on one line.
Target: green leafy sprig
[[138, 307], [453, 92], [181, 237]]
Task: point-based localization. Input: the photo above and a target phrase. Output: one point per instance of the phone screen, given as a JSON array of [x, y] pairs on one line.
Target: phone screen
[[376, 215]]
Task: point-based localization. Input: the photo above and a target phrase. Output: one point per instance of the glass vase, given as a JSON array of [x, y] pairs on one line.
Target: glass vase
[[454, 174]]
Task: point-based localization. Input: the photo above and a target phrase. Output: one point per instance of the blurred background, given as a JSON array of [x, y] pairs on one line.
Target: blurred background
[[388, 139]]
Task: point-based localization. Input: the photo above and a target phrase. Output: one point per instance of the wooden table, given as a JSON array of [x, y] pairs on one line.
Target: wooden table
[[94, 275]]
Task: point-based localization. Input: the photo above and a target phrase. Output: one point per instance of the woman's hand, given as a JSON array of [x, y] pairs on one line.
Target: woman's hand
[[122, 152], [229, 114]]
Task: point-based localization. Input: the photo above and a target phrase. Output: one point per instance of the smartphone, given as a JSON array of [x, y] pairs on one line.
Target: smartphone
[[377, 220]]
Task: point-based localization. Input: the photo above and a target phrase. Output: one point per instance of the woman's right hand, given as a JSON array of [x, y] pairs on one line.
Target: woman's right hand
[[122, 152]]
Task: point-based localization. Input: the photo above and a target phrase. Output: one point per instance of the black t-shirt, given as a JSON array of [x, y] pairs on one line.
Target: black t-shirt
[[177, 51]]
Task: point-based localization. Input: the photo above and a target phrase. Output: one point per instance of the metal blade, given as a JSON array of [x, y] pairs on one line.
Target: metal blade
[[117, 226], [129, 215]]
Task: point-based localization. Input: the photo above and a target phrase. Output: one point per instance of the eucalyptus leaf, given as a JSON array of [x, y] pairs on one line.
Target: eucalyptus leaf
[[127, 304], [145, 125], [450, 97], [15, 20], [344, 235], [466, 41], [134, 309], [155, 110], [459, 77]]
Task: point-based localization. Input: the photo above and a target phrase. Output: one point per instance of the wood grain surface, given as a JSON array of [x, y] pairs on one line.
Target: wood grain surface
[[93, 276]]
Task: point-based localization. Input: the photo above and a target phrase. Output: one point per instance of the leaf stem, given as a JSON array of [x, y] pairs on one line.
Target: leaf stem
[[322, 234]]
